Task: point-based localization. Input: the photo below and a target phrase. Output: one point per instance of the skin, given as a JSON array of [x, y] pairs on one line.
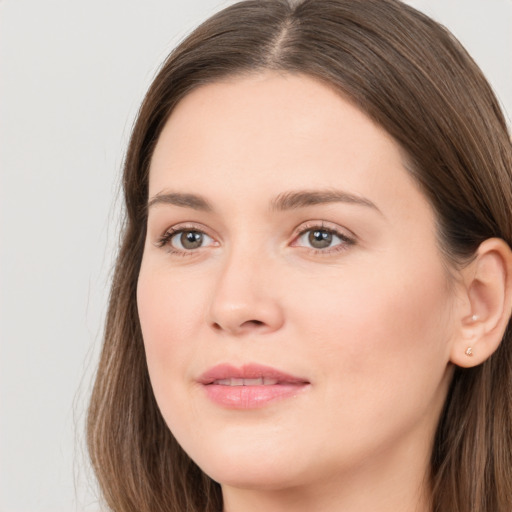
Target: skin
[[369, 322]]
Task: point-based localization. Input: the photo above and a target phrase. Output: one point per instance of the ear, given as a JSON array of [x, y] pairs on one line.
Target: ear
[[487, 306]]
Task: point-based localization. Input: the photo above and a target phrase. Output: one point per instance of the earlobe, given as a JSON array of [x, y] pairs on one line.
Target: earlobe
[[488, 288]]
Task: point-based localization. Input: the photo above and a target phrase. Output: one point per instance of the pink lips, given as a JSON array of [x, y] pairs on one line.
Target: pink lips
[[250, 386]]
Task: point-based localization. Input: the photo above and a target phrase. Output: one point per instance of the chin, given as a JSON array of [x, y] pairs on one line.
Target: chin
[[250, 476], [261, 465]]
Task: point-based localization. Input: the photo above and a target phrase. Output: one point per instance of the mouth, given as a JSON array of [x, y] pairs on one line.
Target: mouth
[[250, 386], [262, 381]]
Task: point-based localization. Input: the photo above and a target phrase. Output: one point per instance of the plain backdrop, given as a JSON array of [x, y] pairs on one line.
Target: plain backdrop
[[72, 75]]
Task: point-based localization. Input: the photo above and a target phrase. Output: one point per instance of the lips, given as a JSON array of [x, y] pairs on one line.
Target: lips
[[249, 386], [261, 381], [224, 372]]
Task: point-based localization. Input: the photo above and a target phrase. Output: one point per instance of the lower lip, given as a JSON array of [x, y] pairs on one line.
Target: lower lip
[[251, 397]]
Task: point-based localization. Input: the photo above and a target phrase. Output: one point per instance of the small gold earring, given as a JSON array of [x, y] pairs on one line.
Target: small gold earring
[[469, 352]]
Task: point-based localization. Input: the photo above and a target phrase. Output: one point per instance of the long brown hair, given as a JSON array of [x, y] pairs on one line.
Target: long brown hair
[[413, 78]]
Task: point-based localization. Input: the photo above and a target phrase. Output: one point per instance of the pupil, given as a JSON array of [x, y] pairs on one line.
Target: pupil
[[320, 239], [191, 239]]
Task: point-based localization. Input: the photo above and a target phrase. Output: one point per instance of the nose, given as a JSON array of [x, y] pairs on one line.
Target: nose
[[245, 299]]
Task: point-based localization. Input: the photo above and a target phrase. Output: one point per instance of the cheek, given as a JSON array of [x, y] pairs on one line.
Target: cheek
[[379, 328], [169, 313], [377, 343]]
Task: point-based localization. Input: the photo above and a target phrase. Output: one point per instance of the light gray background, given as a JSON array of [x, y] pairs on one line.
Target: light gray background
[[71, 79]]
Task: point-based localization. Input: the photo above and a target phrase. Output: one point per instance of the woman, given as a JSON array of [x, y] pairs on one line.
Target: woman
[[311, 299]]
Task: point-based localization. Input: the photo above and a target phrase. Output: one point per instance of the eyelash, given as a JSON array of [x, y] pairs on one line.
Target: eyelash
[[346, 241], [166, 238]]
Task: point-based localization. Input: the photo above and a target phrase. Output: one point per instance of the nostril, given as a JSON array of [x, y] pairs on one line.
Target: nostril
[[253, 322], [239, 327]]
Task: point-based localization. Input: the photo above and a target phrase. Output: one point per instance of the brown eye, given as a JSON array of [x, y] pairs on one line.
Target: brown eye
[[323, 239], [320, 239], [191, 239], [186, 240]]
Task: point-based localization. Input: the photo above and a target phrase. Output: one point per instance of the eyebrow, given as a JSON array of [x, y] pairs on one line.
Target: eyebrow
[[304, 198], [193, 201], [285, 201]]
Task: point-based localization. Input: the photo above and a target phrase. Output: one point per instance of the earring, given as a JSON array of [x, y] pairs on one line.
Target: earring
[[469, 352], [474, 318]]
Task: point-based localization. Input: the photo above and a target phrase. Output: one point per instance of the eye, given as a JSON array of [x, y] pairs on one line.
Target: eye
[[322, 239], [318, 239], [189, 240], [185, 240]]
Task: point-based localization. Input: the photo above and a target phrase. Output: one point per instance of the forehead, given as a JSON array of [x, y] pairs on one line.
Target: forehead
[[270, 132]]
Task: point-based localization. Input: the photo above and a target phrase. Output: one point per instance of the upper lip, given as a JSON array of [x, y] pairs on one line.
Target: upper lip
[[248, 371]]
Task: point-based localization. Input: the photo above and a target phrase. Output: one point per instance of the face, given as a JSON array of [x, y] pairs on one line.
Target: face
[[295, 308]]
